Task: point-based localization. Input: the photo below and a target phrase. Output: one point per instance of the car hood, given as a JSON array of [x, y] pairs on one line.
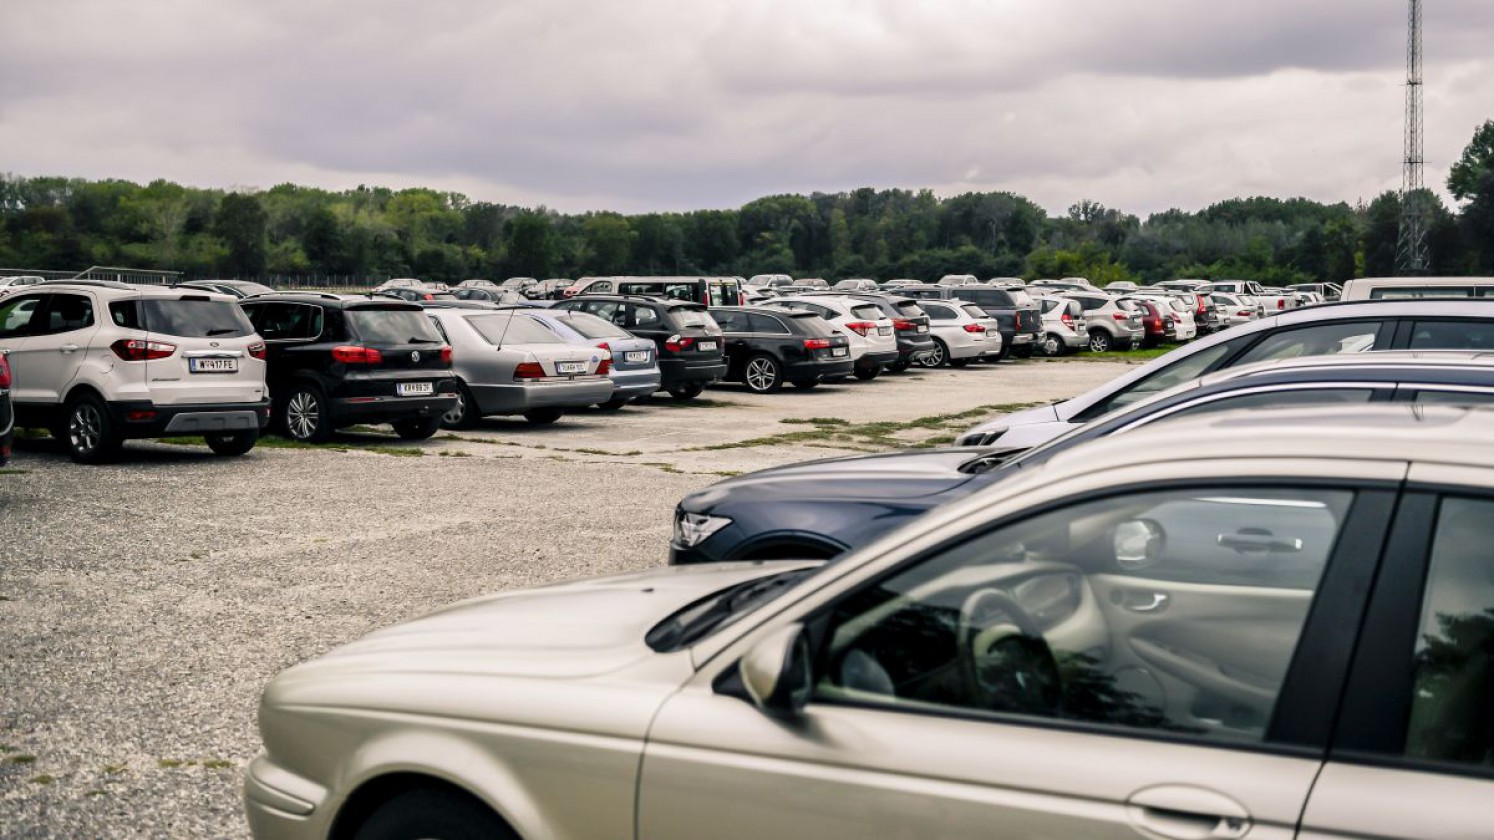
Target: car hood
[[571, 630], [1040, 414], [908, 474]]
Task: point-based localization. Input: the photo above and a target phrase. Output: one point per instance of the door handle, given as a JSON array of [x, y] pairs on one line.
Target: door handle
[[1184, 812], [69, 348], [1135, 600], [1245, 541]]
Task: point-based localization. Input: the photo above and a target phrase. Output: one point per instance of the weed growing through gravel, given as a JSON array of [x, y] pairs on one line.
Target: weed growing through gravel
[[446, 454], [168, 763], [837, 433], [7, 748], [815, 421], [695, 403], [96, 793], [396, 451], [43, 779], [627, 454], [22, 759], [9, 471], [217, 764], [115, 769]]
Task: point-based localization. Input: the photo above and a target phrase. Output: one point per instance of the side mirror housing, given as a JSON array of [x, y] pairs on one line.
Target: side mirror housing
[[777, 672]]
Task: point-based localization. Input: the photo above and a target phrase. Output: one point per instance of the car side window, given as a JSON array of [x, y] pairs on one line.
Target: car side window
[[1453, 684], [1452, 335], [17, 314], [66, 313], [732, 322], [1276, 399], [642, 316], [1319, 340], [938, 313], [1431, 396], [765, 324], [1175, 611], [1184, 369], [436, 322]]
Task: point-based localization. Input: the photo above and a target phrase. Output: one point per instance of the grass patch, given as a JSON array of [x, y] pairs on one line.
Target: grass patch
[[445, 454], [96, 793], [1132, 355], [669, 468], [695, 403], [114, 769], [13, 471], [396, 451], [275, 442], [628, 454], [726, 473], [217, 764], [43, 779], [32, 434], [169, 763], [870, 436], [930, 443], [22, 759], [815, 421], [7, 748], [190, 440]]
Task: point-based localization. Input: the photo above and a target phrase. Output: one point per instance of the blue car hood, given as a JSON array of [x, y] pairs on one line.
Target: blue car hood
[[908, 474]]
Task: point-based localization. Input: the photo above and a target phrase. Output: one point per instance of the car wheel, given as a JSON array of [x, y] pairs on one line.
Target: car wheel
[[959, 363], [465, 414], [762, 375], [899, 366], [1051, 346], [1006, 351], [1099, 342], [443, 814], [304, 415], [936, 357], [1023, 351], [543, 416], [417, 428], [687, 392], [232, 444], [612, 405], [91, 436], [806, 384]]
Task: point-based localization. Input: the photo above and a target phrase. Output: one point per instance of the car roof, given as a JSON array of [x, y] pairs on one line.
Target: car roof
[[119, 290], [1378, 363], [657, 301], [337, 301]]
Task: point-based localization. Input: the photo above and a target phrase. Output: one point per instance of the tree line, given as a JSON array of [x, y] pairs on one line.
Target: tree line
[[70, 223]]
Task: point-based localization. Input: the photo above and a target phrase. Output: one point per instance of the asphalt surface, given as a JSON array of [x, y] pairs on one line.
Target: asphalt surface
[[146, 603]]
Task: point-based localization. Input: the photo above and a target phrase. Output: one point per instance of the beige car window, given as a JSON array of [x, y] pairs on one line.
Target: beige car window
[[1322, 340], [1174, 611]]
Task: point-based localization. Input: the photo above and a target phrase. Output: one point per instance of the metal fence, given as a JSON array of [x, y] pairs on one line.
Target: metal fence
[[101, 272]]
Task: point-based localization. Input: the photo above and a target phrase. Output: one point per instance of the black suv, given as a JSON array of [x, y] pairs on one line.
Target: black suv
[[336, 360], [768, 347], [1014, 309], [691, 352]]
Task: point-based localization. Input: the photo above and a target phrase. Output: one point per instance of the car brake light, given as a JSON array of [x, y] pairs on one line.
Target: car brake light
[[1281, 303], [1246, 313], [1067, 319], [140, 350], [860, 327], [605, 346], [529, 370], [352, 354], [1120, 316], [446, 354], [904, 325], [816, 344], [605, 368], [5, 371], [974, 328], [676, 343], [257, 350], [427, 297]]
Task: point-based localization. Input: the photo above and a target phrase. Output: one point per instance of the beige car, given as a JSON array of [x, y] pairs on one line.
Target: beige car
[[1148, 636]]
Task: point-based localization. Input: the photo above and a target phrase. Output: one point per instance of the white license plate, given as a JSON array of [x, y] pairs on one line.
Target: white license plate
[[884, 331], [923, 328], [415, 389], [707, 346], [568, 368], [635, 357], [840, 351], [213, 365]]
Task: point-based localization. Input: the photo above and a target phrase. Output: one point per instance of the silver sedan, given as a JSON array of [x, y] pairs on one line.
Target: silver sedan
[[508, 363]]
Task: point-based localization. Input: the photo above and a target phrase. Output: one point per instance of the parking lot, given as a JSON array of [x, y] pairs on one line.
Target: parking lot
[[147, 602]]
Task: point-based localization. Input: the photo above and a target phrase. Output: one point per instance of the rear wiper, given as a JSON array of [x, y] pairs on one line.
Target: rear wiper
[[223, 331], [424, 341]]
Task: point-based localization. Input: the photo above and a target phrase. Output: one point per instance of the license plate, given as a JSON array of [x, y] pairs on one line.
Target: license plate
[[839, 351], [635, 357], [566, 368], [213, 365], [884, 331], [707, 346], [415, 389], [923, 328]]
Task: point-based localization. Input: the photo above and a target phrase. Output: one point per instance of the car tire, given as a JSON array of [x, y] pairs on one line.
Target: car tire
[[304, 416], [936, 357], [1006, 351], [92, 437], [1023, 351], [232, 444], [687, 392], [1099, 342], [806, 384], [762, 374], [1051, 345], [612, 405], [417, 428], [899, 366], [433, 813], [463, 415], [543, 416], [959, 363], [868, 373]]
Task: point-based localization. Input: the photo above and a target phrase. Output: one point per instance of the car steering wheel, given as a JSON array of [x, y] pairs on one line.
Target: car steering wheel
[[1004, 661]]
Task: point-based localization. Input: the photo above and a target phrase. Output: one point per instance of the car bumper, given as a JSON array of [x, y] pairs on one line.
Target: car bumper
[[680, 371], [818, 370], [280, 804], [517, 398], [350, 410], [633, 385], [142, 418], [914, 348], [880, 357]]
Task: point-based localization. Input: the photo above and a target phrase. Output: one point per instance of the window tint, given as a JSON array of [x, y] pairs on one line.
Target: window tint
[[867, 311], [939, 312], [910, 309], [286, 321], [766, 324], [505, 328], [1453, 397], [643, 316], [811, 324], [733, 322], [1452, 335], [1452, 701], [1321, 340], [190, 318], [1174, 611], [974, 311], [66, 313], [1279, 399], [16, 315], [590, 326], [393, 326], [1184, 369], [695, 318]]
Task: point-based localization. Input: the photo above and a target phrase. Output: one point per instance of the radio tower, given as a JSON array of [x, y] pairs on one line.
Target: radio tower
[[1411, 247]]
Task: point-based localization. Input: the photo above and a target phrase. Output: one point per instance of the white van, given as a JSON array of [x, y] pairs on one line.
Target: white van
[[1403, 288]]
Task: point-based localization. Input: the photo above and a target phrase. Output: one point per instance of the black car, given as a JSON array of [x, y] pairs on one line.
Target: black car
[[237, 288], [768, 347], [7, 411], [481, 293], [552, 289], [337, 360], [820, 509], [909, 321], [1015, 310], [691, 352]]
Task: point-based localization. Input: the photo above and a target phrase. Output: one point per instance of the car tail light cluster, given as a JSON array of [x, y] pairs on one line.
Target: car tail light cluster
[[1247, 313], [860, 327], [4, 371], [446, 354], [529, 370], [903, 325], [1121, 316], [353, 354], [605, 368], [676, 343], [1281, 303], [257, 350], [1067, 319], [141, 350], [974, 328], [816, 344]]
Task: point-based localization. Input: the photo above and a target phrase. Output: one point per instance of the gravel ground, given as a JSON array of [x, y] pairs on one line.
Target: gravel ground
[[146, 603]]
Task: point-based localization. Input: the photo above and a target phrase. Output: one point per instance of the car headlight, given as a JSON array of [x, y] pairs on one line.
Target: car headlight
[[981, 436], [692, 529]]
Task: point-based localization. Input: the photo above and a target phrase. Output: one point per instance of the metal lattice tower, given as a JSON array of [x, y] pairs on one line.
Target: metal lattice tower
[[1411, 247]]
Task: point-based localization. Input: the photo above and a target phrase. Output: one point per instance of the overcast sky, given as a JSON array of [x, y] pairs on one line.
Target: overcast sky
[[681, 104]]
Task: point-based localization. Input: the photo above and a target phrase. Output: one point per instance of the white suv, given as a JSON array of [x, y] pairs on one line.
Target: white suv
[[873, 341], [99, 362]]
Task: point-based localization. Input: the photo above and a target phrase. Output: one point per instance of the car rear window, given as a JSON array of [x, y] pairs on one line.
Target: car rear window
[[811, 324], [910, 309], [687, 317], [974, 311], [187, 317], [393, 326], [590, 326], [867, 311], [503, 328]]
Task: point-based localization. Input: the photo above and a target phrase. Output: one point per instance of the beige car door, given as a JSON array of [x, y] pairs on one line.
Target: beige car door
[[1109, 669]]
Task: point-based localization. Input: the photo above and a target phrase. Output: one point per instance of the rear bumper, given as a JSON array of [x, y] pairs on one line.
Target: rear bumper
[[885, 357], [818, 370], [634, 384], [1024, 338], [912, 348], [682, 371], [518, 398], [350, 410], [143, 418]]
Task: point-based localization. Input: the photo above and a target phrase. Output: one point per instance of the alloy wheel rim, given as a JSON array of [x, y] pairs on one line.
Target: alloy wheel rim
[[936, 358], [1051, 346], [760, 375], [302, 415], [454, 416], [83, 428], [1098, 344]]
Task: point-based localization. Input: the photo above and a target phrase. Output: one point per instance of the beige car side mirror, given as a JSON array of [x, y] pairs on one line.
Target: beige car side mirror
[[777, 672]]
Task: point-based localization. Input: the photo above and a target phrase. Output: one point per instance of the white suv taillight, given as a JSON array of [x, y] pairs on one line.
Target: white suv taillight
[[4, 371], [140, 350], [257, 350]]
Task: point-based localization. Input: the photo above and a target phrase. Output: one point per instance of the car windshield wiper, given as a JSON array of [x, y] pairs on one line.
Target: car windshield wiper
[[424, 341], [222, 331]]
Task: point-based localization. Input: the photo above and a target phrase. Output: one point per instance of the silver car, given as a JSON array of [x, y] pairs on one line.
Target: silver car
[[962, 333], [635, 365], [507, 362], [1140, 639], [1235, 309], [1063, 326]]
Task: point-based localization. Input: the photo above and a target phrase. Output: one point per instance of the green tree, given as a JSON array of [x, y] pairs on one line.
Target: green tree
[[532, 249], [609, 243], [241, 224], [1478, 158]]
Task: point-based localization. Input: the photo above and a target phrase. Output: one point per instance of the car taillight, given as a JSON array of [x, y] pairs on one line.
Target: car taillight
[[140, 350], [605, 368], [1246, 313], [860, 327], [974, 328], [605, 346], [1067, 319], [352, 354], [900, 324], [816, 344], [5, 371], [1281, 303], [676, 343], [1120, 316], [529, 370], [446, 354], [427, 297], [257, 350]]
